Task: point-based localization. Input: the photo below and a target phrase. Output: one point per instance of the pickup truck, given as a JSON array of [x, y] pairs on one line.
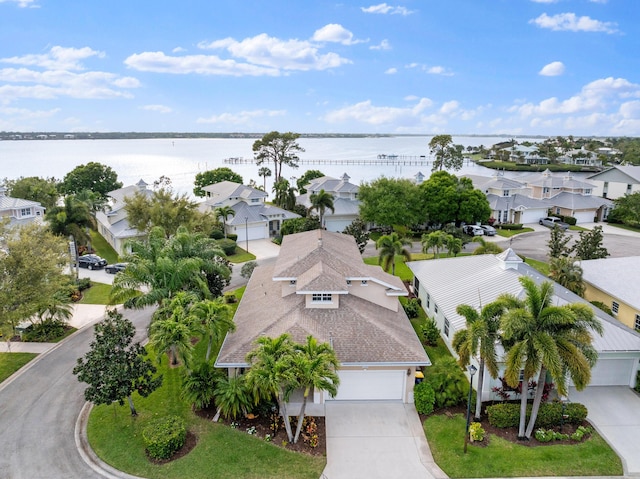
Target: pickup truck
[[551, 221]]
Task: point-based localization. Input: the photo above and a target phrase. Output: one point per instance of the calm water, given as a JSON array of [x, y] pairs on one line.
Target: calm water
[[181, 159]]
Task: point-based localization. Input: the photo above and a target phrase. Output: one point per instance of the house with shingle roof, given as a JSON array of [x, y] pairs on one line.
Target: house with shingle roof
[[18, 211], [477, 280], [345, 200], [616, 181], [113, 223], [253, 219], [320, 286]]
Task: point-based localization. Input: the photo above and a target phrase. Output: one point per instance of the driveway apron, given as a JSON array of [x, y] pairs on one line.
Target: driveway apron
[[615, 413], [376, 440]]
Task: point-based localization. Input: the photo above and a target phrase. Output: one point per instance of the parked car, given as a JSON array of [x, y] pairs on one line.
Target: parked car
[[488, 230], [91, 261], [115, 267], [551, 221], [473, 230]]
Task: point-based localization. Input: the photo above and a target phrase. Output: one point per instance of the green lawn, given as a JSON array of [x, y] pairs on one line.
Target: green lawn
[[510, 233], [539, 265], [402, 270], [103, 249], [241, 256], [98, 293], [11, 362], [501, 458]]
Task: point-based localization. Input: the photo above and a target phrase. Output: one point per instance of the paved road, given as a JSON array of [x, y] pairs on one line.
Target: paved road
[[40, 408]]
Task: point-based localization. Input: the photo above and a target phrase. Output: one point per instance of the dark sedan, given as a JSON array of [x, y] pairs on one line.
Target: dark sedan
[[115, 268], [91, 261]]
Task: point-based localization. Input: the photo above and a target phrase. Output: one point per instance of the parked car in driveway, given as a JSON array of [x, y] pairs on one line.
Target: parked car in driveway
[[91, 261], [115, 267], [473, 230], [488, 230], [551, 221]]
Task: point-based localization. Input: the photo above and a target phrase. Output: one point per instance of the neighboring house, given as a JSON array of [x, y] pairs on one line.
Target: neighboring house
[[113, 223], [19, 211], [320, 286], [581, 157], [616, 181], [443, 284], [528, 198], [528, 155], [614, 282], [253, 219], [345, 200]]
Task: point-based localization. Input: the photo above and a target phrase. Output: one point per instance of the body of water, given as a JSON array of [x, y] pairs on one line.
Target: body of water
[[182, 159]]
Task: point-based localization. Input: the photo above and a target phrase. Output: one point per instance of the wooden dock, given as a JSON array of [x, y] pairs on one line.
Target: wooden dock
[[380, 160]]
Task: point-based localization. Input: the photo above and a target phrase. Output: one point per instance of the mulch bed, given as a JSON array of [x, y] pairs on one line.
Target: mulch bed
[[508, 434]]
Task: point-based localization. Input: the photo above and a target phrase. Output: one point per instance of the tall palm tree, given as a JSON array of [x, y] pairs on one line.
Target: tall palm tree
[[264, 172], [391, 246], [321, 201], [566, 271], [435, 240], [285, 196], [272, 374], [233, 396], [486, 247], [453, 245], [213, 318], [224, 212], [73, 218], [171, 331], [199, 384], [479, 338], [315, 366], [549, 339]]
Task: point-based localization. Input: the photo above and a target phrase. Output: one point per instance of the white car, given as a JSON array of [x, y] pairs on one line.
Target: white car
[[473, 230], [488, 230]]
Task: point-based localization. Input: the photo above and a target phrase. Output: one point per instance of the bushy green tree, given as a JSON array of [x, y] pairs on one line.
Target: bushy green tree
[[34, 188], [557, 243], [390, 202], [162, 209], [446, 154], [93, 176], [279, 149], [306, 178], [358, 230], [211, 177], [589, 245], [298, 225]]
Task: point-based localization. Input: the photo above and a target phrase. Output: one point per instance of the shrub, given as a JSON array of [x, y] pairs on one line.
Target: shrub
[[550, 414], [570, 220], [83, 283], [230, 298], [637, 388], [45, 331], [424, 398], [548, 435], [448, 382], [412, 308], [217, 234], [164, 436], [504, 415], [511, 226], [602, 307], [476, 433], [430, 332], [247, 269], [232, 236], [227, 245], [580, 433]]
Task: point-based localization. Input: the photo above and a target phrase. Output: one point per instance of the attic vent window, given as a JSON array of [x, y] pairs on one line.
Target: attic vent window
[[348, 282], [364, 282], [292, 282], [321, 297]]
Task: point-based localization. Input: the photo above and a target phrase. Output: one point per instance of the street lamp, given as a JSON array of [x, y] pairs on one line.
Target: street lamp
[[472, 370], [246, 231]]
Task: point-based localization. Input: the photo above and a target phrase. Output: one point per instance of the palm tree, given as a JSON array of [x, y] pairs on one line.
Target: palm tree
[[566, 271], [453, 245], [264, 172], [435, 240], [271, 373], [391, 246], [199, 384], [321, 201], [479, 338], [486, 247], [233, 396], [73, 218], [549, 339], [315, 366], [224, 212], [213, 318], [285, 196], [171, 331]]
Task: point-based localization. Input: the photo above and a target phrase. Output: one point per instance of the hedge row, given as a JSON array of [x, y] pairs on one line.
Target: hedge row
[[550, 414]]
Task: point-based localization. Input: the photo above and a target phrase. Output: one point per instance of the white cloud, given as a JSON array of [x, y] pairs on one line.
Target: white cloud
[[178, 50], [334, 32], [571, 22], [391, 71], [242, 117], [58, 58], [366, 112], [23, 3], [439, 70], [383, 8], [544, 1], [383, 45], [552, 69], [157, 108]]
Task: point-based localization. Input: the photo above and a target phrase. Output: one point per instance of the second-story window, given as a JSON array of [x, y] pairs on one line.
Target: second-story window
[[321, 297]]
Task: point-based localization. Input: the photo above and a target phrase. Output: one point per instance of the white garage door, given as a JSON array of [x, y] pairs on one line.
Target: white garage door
[[370, 385], [255, 232], [584, 216], [612, 372]]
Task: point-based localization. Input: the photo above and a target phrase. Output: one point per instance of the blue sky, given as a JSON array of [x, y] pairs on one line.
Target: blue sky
[[517, 67]]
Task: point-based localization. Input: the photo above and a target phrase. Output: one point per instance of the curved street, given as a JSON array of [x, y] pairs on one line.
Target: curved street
[[40, 408]]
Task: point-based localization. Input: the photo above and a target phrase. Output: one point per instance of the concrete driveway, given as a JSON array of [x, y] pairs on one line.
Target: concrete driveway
[[615, 413], [376, 440]]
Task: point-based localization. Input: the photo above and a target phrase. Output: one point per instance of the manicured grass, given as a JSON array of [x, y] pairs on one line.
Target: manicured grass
[[510, 233], [438, 352], [98, 293], [624, 227], [103, 249], [577, 228], [11, 362], [402, 270], [539, 265], [241, 256], [501, 458], [221, 452]]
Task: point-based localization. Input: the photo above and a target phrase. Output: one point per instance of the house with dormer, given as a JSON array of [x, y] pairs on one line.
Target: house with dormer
[[253, 219], [345, 200], [320, 286], [18, 211], [113, 223]]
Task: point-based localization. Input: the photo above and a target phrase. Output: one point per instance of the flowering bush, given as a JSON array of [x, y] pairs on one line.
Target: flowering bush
[[476, 432], [251, 430]]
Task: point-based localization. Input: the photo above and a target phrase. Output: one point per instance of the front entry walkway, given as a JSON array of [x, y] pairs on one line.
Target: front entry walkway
[[376, 440], [615, 413]]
